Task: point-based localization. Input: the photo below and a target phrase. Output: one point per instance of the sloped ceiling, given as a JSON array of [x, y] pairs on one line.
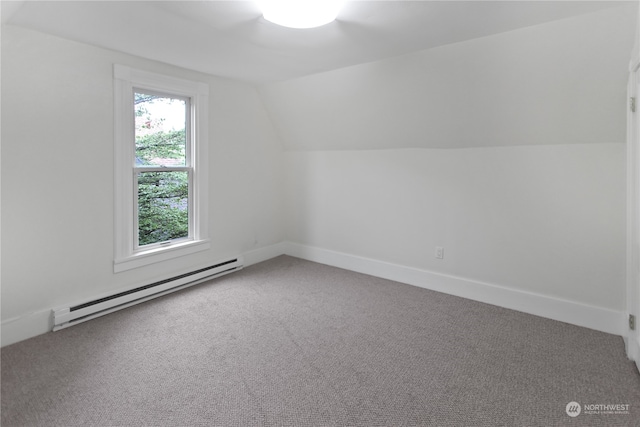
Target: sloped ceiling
[[561, 82], [389, 74], [231, 39]]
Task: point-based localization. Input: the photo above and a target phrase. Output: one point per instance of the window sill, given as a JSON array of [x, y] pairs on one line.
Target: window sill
[[155, 255]]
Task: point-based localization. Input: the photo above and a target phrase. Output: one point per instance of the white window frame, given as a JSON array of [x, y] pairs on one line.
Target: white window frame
[[127, 254]]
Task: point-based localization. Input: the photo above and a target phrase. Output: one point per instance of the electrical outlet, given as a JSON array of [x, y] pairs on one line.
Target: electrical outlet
[[439, 252]]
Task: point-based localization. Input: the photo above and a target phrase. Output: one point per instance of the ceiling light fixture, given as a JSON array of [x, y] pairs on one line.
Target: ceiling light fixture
[[300, 13]]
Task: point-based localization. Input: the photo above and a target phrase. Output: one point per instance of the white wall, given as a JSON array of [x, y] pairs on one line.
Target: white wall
[[57, 176], [543, 219], [532, 200]]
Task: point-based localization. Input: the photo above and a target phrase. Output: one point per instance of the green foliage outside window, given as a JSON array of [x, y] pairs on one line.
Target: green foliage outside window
[[162, 195]]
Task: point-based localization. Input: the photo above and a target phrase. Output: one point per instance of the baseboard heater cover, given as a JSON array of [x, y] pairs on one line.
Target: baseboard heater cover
[[68, 316]]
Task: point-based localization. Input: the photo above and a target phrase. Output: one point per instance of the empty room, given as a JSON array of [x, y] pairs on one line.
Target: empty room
[[320, 213]]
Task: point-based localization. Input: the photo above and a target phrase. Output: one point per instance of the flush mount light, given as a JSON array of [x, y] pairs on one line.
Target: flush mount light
[[300, 13]]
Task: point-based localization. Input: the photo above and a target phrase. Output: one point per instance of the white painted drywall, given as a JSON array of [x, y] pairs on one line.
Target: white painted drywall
[[532, 198], [557, 83], [543, 219], [57, 176]]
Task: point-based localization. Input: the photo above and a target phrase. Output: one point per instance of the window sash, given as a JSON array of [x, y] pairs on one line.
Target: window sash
[[137, 169], [136, 217], [189, 118]]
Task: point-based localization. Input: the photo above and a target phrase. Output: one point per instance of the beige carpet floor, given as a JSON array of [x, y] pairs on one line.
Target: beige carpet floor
[[293, 343]]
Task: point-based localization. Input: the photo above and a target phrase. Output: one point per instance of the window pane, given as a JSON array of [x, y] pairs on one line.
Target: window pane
[[163, 212], [160, 130]]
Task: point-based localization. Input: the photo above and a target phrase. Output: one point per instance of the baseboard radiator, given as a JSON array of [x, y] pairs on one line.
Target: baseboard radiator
[[68, 316]]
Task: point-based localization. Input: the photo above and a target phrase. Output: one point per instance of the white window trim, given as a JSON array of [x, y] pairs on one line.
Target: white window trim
[[125, 79]]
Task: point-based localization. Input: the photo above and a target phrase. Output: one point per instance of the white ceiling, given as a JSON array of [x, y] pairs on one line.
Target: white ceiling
[[231, 39]]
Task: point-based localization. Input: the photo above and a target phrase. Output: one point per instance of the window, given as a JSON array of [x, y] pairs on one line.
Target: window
[[160, 167]]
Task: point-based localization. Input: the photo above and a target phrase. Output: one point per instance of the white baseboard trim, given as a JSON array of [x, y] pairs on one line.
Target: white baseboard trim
[[33, 324], [27, 326], [263, 254], [600, 319]]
